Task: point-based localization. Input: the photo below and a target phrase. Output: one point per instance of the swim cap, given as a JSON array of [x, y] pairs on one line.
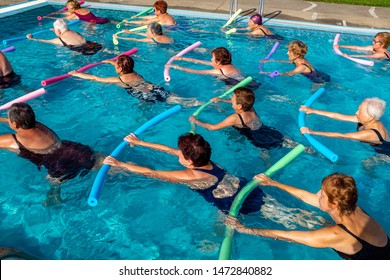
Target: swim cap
[[257, 19]]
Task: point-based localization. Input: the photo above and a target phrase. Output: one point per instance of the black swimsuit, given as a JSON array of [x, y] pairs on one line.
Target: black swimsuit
[[384, 147], [388, 57], [316, 76], [9, 80], [235, 79], [368, 251], [251, 204], [264, 137], [156, 94], [89, 48], [64, 162]]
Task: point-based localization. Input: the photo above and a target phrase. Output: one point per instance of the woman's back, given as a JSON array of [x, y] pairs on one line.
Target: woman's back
[[72, 38]]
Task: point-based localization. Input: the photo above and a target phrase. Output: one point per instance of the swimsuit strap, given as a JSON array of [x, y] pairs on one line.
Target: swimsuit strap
[[216, 171], [119, 77], [378, 134], [220, 69], [386, 55], [242, 121], [62, 41], [357, 237], [154, 40], [310, 68], [263, 31], [17, 142]]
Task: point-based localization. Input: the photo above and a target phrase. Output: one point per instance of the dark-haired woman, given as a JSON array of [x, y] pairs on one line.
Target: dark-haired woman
[[200, 173], [221, 61], [134, 83]]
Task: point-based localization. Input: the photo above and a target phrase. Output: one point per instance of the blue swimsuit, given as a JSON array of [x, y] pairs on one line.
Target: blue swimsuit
[[251, 204]]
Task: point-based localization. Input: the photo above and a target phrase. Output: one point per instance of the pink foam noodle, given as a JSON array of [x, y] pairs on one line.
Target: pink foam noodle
[[83, 69], [337, 50], [24, 98], [167, 77]]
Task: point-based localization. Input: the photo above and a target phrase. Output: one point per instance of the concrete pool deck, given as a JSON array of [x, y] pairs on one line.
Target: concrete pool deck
[[298, 10]]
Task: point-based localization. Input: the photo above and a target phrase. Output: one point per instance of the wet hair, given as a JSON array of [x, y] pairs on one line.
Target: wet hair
[[375, 107], [341, 189], [22, 114], [245, 97], [61, 25], [195, 148], [161, 6], [222, 55], [257, 18], [298, 48], [73, 4], [384, 38], [155, 28], [126, 63]]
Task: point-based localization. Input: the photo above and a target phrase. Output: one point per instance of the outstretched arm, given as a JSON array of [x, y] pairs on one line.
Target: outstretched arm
[[145, 40], [375, 55], [332, 115], [321, 238], [305, 196], [109, 80], [55, 41], [134, 141], [212, 72], [365, 135], [356, 48], [273, 60], [142, 22], [197, 61], [176, 176], [229, 121]]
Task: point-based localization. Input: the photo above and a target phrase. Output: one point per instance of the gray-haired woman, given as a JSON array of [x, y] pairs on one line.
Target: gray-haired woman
[[154, 34], [369, 127]]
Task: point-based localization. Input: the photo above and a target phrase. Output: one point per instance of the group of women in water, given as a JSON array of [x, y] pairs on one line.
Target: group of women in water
[[354, 236]]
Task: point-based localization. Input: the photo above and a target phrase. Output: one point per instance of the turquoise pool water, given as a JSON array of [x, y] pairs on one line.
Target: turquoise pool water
[[142, 218]]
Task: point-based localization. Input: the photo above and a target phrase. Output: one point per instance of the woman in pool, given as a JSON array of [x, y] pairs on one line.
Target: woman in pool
[[8, 77], [154, 34], [369, 127], [296, 54], [355, 236], [221, 61], [256, 28], [75, 11], [161, 16], [69, 39], [200, 173], [135, 84], [378, 49], [246, 121], [39, 144]]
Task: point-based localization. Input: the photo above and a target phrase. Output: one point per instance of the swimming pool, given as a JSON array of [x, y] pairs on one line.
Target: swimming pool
[[141, 218]]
